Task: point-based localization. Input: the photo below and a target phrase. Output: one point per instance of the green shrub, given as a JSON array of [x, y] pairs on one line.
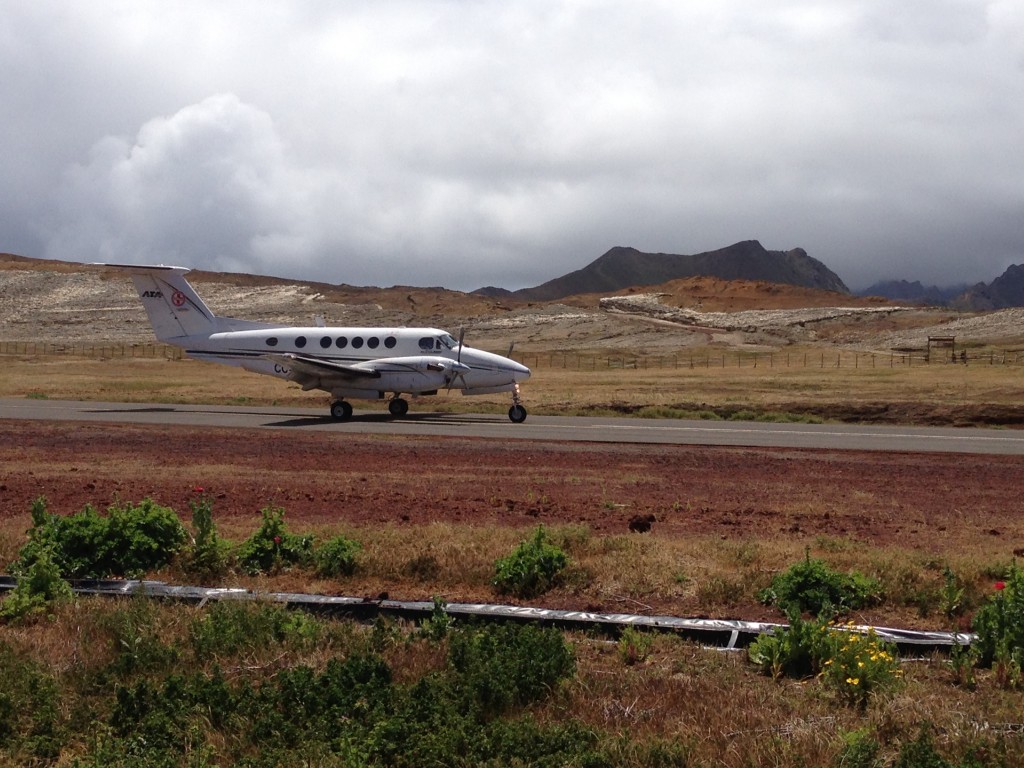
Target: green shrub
[[130, 541], [336, 557], [532, 569], [508, 665], [30, 710], [811, 586], [272, 548], [860, 750], [207, 557], [39, 588], [999, 625], [230, 627], [137, 641], [634, 646], [142, 538], [859, 666], [853, 665], [795, 651]]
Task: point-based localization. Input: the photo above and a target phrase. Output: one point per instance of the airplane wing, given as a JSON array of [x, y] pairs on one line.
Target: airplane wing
[[311, 371], [304, 366]]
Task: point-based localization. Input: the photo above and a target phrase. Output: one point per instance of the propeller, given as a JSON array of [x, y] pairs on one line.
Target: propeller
[[455, 374]]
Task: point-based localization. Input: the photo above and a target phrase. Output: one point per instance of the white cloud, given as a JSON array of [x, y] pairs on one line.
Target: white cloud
[[465, 144]]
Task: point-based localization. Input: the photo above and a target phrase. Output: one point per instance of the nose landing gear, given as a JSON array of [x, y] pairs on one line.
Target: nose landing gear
[[517, 413]]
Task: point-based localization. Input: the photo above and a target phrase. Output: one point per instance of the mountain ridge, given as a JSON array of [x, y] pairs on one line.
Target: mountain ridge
[[624, 267]]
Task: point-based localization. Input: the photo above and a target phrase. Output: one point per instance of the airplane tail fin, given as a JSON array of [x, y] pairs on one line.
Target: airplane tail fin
[[173, 306]]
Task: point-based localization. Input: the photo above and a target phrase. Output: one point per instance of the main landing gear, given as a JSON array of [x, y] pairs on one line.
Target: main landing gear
[[398, 406], [517, 413], [341, 411]]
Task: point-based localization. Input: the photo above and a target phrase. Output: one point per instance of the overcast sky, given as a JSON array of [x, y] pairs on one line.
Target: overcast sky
[[463, 144]]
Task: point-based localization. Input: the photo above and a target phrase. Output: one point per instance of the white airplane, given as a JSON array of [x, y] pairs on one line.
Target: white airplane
[[349, 363]]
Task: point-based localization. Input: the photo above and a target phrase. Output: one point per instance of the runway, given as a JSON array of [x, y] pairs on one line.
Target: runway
[[536, 428]]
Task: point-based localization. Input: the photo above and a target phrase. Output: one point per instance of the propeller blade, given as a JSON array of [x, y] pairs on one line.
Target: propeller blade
[[462, 335], [510, 345]]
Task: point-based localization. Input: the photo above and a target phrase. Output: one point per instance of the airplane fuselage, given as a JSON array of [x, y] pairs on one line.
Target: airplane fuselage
[[411, 360]]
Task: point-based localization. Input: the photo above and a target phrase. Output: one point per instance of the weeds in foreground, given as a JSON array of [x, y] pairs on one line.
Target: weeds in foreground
[[854, 666], [532, 569], [811, 586]]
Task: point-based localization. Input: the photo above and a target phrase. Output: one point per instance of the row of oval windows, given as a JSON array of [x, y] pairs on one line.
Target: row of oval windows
[[341, 342]]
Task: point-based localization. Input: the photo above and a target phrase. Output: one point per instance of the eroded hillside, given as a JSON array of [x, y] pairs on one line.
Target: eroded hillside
[[59, 302]]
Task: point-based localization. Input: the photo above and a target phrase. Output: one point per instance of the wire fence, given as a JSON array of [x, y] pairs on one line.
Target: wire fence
[[834, 359], [106, 351], [592, 362]]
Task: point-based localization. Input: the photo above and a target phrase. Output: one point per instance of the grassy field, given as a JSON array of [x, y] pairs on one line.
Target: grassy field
[[670, 703], [662, 391]]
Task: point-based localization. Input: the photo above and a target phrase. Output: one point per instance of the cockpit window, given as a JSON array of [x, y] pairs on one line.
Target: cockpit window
[[448, 341]]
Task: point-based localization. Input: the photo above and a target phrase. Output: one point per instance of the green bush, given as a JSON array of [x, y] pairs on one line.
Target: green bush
[[207, 557], [229, 628], [31, 726], [336, 557], [999, 624], [142, 538], [634, 646], [811, 586], [860, 750], [39, 588], [509, 665], [859, 666], [855, 666], [532, 569], [798, 650], [129, 541], [272, 548]]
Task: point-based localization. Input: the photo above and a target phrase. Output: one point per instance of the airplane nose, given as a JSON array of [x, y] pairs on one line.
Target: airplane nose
[[519, 372]]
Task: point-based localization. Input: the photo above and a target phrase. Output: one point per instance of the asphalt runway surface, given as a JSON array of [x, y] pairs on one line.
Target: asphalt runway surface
[[537, 428]]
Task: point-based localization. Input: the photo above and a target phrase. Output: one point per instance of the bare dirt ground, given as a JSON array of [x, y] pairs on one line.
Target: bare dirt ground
[[924, 503]]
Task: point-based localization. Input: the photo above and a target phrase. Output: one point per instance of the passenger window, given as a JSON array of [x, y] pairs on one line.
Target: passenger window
[[390, 342], [272, 341], [427, 344], [325, 342], [357, 341], [373, 342], [300, 341], [341, 342]]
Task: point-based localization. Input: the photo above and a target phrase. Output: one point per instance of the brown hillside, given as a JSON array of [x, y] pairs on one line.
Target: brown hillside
[[711, 294], [708, 294]]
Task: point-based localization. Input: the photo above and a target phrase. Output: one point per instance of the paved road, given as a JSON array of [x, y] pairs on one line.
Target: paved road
[[573, 428]]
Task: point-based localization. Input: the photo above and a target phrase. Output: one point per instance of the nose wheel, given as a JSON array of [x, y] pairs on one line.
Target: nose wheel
[[517, 413]]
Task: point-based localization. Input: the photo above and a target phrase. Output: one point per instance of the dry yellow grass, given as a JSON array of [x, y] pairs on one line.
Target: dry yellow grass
[[552, 389]]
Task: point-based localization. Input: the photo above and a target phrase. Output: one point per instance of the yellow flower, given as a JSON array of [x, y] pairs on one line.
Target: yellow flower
[[853, 680]]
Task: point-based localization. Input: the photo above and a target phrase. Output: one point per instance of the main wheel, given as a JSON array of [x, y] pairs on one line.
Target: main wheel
[[341, 411], [398, 407], [517, 414]]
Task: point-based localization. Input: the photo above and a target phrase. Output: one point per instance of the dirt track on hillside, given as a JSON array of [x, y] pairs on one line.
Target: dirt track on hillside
[[934, 503]]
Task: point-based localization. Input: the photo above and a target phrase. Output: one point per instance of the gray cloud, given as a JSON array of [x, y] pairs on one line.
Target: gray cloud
[[446, 143]]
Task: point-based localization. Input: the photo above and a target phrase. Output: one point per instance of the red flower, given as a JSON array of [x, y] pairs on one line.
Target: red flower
[[277, 539], [197, 489], [999, 585]]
